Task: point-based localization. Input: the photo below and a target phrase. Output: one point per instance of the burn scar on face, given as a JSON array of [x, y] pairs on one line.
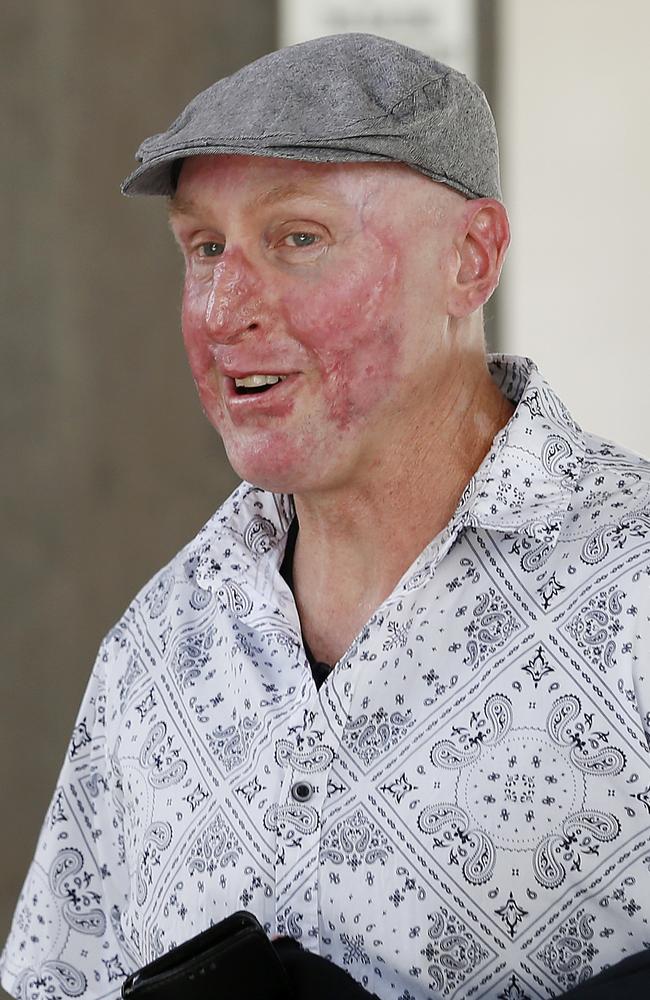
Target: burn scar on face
[[332, 288]]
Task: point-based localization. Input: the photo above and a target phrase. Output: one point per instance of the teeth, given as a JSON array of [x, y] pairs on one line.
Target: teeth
[[254, 381]]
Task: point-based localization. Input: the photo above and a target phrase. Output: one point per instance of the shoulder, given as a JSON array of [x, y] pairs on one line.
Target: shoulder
[[608, 517], [614, 481], [214, 568]]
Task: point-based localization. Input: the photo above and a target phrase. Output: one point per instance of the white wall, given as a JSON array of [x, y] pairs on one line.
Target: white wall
[[445, 29], [575, 128]]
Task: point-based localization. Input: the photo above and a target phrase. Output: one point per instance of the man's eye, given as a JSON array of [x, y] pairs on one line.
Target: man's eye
[[301, 239], [211, 249]]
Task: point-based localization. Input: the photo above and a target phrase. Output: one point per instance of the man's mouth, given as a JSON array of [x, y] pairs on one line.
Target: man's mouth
[[256, 383]]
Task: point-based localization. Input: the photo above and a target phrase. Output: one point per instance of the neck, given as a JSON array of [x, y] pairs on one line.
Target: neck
[[356, 543]]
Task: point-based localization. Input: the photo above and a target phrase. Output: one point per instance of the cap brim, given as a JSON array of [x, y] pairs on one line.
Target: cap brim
[[155, 178]]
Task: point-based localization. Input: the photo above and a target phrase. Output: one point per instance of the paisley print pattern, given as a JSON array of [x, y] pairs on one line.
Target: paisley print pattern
[[355, 841], [462, 810], [452, 951], [215, 848]]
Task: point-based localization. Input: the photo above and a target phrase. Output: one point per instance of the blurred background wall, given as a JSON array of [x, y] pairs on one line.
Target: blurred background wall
[[108, 464], [574, 117]]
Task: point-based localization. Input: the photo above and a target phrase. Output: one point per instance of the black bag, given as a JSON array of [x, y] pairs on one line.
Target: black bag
[[629, 979], [233, 959]]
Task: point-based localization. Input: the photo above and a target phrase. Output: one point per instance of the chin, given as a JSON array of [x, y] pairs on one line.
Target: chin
[[276, 464]]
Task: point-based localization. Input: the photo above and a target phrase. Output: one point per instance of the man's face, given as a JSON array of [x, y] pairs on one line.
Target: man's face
[[328, 277]]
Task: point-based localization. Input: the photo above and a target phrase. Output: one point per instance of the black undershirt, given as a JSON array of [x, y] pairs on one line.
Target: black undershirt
[[320, 671]]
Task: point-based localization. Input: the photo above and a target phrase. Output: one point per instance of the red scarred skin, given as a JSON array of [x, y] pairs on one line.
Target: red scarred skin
[[346, 319]]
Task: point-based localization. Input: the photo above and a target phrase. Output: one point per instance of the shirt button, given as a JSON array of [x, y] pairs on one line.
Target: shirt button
[[302, 791]]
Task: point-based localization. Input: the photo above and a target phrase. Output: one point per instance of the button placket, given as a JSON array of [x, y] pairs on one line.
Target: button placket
[[307, 758]]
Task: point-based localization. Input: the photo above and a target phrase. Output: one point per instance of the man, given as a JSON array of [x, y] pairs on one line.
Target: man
[[392, 698]]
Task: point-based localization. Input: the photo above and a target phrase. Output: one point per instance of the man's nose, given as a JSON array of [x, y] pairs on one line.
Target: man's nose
[[235, 302]]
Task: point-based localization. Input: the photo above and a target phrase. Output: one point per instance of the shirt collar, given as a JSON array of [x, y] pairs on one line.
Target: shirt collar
[[528, 478]]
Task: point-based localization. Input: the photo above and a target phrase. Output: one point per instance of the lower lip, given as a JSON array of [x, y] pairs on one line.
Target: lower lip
[[274, 402]]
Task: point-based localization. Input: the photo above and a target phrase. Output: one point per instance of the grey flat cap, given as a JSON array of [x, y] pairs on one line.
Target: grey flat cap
[[338, 99]]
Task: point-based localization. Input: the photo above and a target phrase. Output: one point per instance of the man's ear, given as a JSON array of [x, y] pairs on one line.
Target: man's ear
[[481, 243]]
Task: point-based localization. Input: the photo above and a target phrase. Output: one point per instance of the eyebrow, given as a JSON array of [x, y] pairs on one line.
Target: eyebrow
[[179, 206], [282, 192]]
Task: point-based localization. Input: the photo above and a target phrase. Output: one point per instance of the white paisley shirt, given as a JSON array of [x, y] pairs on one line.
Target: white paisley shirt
[[461, 810]]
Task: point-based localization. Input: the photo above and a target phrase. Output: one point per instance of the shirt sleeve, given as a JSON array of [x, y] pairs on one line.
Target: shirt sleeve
[[66, 940]]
